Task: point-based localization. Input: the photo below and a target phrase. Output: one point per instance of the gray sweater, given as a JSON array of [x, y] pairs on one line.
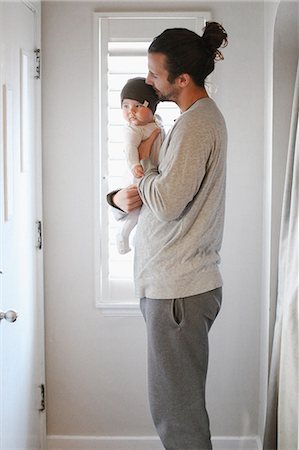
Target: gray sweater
[[180, 226]]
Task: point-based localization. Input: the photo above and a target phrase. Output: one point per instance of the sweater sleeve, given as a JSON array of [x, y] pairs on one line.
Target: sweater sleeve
[[168, 190]]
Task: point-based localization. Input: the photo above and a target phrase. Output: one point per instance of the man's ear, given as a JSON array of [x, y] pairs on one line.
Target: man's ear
[[183, 79]]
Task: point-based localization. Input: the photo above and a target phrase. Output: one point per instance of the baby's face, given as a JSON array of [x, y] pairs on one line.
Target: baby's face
[[135, 113]]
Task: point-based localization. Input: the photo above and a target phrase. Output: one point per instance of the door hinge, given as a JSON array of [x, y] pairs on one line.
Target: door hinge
[[42, 406], [37, 64], [39, 235]]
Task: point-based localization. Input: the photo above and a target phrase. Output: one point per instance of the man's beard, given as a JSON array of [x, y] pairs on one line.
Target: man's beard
[[163, 98], [169, 97]]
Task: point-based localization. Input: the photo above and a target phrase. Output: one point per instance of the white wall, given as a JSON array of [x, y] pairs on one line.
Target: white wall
[[96, 380]]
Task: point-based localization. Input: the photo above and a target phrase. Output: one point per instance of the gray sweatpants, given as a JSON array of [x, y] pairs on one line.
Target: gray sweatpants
[[178, 350]]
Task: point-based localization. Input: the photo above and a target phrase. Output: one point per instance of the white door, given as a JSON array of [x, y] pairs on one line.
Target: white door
[[21, 341]]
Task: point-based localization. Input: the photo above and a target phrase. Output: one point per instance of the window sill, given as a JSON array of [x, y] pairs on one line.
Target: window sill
[[119, 309]]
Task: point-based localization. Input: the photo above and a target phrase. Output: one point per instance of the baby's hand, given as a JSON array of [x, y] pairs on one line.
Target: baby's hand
[[138, 171]]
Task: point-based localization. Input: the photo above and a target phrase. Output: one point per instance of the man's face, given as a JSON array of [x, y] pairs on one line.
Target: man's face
[[158, 78]]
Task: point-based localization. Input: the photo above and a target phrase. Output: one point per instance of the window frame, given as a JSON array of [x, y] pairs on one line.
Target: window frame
[[108, 307]]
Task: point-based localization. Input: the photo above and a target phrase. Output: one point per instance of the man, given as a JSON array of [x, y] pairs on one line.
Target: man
[[179, 235]]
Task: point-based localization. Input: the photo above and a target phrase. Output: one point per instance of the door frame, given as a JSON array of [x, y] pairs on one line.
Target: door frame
[[35, 8]]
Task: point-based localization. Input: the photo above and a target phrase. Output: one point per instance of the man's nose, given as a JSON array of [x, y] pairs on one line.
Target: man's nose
[[148, 79]]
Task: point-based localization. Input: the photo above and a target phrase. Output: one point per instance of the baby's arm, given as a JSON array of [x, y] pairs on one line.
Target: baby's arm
[[144, 151], [132, 139]]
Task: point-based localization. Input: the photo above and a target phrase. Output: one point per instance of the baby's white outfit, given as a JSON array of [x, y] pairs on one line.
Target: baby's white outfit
[[133, 136]]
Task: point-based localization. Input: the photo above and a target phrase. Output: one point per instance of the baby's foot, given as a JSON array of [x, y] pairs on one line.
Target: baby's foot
[[122, 245]]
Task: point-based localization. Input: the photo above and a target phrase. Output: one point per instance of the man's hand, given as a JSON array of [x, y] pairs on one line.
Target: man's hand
[[128, 198], [145, 147]]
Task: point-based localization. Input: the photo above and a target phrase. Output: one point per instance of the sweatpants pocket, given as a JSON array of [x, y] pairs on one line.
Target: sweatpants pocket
[[177, 310]]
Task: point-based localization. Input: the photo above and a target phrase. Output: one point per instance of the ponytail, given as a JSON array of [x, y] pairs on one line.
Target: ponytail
[[214, 37]]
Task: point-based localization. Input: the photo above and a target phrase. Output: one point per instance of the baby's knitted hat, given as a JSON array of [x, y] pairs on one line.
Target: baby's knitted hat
[[137, 89]]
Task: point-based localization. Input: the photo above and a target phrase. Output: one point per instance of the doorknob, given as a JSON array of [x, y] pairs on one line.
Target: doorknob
[[10, 315]]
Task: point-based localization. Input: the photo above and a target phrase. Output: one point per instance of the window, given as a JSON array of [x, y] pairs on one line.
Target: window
[[122, 42]]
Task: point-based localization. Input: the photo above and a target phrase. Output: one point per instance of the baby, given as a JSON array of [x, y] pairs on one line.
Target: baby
[[138, 102]]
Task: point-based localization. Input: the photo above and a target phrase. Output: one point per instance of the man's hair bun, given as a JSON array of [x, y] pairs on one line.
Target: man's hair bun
[[214, 37]]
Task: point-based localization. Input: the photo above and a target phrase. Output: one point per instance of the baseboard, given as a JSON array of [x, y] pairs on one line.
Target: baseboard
[[141, 443]]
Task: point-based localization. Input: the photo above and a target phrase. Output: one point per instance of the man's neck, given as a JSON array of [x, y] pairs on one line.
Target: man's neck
[[189, 96]]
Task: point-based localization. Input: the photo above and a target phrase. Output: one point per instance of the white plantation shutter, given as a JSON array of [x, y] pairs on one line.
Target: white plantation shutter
[[123, 44]]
